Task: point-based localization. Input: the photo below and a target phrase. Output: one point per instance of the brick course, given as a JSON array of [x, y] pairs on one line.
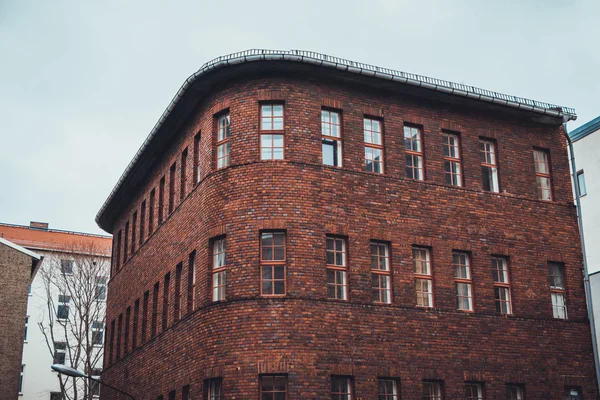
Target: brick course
[[304, 334]]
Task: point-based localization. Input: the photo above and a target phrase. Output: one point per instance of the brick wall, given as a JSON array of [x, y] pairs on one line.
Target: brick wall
[[15, 277], [310, 337]]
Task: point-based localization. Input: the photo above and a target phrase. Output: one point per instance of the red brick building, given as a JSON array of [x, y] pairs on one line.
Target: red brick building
[[299, 226]]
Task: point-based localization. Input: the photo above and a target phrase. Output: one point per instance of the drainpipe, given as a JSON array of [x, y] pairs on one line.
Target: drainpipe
[[586, 277]]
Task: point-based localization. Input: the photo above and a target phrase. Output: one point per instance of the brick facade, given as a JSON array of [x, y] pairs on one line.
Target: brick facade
[[16, 270], [304, 334]]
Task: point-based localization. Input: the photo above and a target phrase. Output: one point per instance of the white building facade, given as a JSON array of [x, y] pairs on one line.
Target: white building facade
[[65, 320]]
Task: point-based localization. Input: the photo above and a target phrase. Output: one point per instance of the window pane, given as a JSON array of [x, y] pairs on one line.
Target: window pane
[[329, 152], [581, 183]]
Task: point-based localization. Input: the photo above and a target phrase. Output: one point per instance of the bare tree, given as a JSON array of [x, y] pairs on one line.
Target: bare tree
[[75, 285]]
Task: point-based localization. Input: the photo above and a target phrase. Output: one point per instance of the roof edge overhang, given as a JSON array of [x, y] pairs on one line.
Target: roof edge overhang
[[543, 110]]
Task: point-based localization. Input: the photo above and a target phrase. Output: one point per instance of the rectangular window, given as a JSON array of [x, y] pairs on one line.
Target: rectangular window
[[183, 183], [573, 393], [337, 268], [126, 243], [273, 387], [66, 267], [172, 187], [97, 333], [271, 120], [387, 389], [62, 311], [489, 166], [177, 299], [423, 276], [94, 385], [118, 249], [101, 285], [223, 144], [331, 132], [214, 389], [373, 145], [26, 327], [557, 289], [145, 315], [219, 269], [172, 395], [272, 263], [56, 396], [112, 342], [165, 309], [501, 285], [413, 148], [151, 212], [474, 391], [119, 335], [514, 392], [142, 222], [185, 392], [136, 318], [197, 158], [432, 390], [463, 280], [581, 183], [452, 163], [127, 325], [133, 231], [381, 287], [60, 353], [154, 322], [191, 284], [542, 174], [341, 388], [161, 200], [21, 378]]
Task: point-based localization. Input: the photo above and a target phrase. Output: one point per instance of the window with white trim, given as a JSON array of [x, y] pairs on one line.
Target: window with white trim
[[413, 149], [463, 280], [489, 165], [218, 269], [223, 144], [331, 133], [337, 268], [452, 161], [381, 279], [557, 290], [101, 285], [373, 145], [62, 311], [97, 333], [60, 353], [423, 277]]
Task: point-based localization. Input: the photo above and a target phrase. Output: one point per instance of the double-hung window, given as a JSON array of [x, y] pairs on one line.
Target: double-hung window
[[273, 387], [452, 163], [380, 273], [331, 132], [337, 268], [557, 289], [489, 165], [387, 389], [423, 278], [218, 269], [223, 144], [501, 285], [62, 311], [341, 388], [413, 147], [271, 132], [464, 281], [373, 146], [432, 390], [473, 391], [542, 174], [272, 263]]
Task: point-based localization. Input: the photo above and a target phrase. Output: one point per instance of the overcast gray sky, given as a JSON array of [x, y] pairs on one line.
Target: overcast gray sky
[[82, 83]]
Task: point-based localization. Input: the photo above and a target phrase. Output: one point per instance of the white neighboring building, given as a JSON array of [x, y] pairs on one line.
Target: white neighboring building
[[57, 247], [586, 145]]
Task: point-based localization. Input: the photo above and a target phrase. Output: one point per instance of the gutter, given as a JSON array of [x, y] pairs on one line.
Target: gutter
[[586, 276], [323, 60]]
